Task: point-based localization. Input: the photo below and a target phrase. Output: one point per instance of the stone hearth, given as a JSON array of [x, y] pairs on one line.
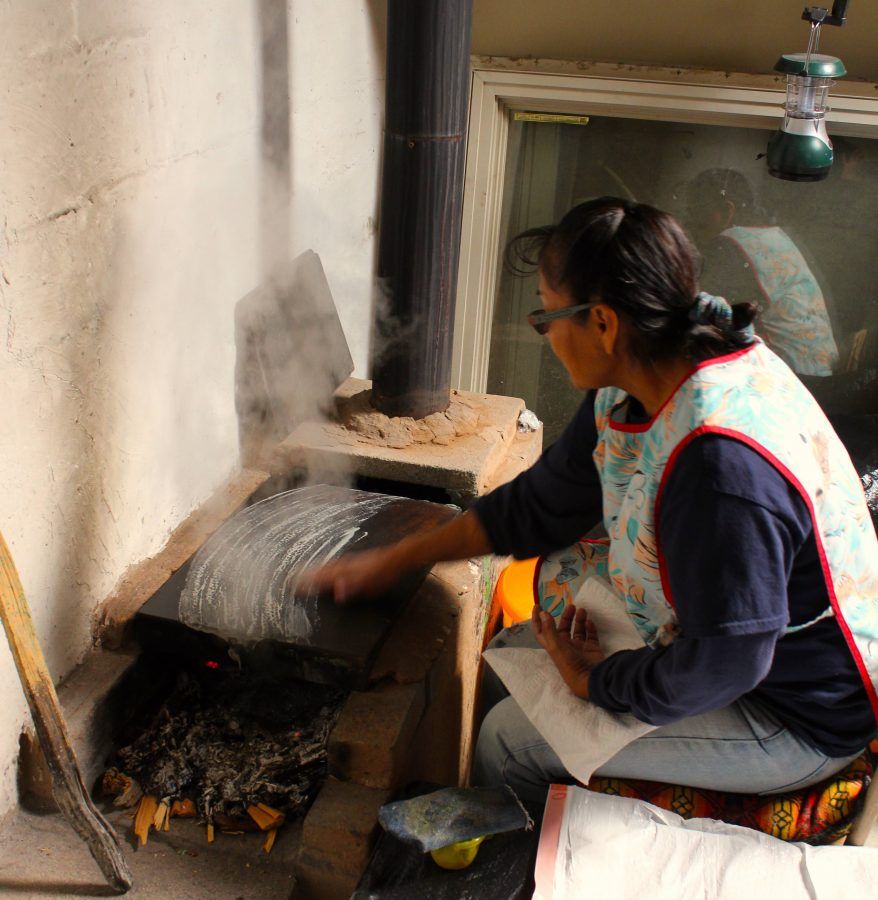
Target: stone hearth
[[414, 720]]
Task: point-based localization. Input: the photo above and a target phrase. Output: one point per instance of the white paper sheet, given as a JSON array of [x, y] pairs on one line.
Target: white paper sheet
[[583, 735], [594, 845]]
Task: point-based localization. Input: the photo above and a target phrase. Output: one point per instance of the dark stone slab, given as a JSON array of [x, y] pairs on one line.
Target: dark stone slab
[[240, 588]]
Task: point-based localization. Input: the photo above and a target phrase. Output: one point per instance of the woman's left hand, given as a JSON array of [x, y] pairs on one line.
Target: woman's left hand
[[572, 645]]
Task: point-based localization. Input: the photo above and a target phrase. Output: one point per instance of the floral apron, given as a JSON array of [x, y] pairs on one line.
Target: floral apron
[[750, 396], [792, 317]]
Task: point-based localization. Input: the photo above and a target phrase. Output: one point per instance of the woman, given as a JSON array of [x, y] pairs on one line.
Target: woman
[[739, 538], [747, 258]]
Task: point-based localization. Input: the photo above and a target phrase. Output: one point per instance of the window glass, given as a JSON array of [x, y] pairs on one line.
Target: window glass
[[804, 253]]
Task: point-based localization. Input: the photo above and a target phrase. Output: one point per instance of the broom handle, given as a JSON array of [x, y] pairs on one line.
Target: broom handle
[[67, 787]]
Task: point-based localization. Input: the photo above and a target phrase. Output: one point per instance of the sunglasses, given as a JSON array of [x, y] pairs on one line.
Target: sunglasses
[[539, 319]]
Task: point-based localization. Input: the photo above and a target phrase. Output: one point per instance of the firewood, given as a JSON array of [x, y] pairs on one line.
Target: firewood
[[183, 809], [130, 796], [113, 782], [266, 817], [269, 840], [276, 814], [145, 817], [161, 815], [125, 791], [187, 742]]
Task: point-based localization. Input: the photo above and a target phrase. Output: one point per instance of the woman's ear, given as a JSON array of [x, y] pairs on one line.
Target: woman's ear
[[728, 213], [606, 323]]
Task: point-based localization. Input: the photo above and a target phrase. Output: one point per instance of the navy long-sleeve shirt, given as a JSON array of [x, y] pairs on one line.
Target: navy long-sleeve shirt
[[742, 561]]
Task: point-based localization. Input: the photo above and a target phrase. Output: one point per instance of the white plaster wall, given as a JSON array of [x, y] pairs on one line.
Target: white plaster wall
[[129, 228], [337, 54]]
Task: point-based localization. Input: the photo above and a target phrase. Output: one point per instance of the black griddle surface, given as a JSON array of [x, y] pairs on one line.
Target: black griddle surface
[[344, 640]]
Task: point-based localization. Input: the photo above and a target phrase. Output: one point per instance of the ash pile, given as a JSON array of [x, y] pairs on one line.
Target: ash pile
[[241, 752]]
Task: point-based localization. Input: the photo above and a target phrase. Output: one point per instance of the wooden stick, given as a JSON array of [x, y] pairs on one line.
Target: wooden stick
[[266, 817], [67, 787]]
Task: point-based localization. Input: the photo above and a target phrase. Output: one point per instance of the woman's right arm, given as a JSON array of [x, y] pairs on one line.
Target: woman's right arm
[[373, 572], [555, 502], [548, 507]]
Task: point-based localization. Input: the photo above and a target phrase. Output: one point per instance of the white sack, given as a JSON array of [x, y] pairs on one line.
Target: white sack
[[621, 848]]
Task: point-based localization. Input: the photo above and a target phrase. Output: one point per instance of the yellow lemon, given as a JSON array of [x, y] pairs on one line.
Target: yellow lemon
[[459, 855]]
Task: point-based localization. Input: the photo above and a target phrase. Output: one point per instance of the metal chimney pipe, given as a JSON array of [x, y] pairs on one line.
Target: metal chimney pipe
[[428, 47]]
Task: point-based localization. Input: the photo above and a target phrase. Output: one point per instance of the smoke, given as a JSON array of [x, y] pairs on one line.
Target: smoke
[[389, 330], [291, 356]]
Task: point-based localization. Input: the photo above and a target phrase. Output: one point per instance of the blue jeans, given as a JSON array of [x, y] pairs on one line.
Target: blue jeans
[[740, 749]]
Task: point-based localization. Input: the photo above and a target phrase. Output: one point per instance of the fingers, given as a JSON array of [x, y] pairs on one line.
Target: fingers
[[580, 625], [535, 622], [566, 618], [543, 625], [332, 580], [548, 634]]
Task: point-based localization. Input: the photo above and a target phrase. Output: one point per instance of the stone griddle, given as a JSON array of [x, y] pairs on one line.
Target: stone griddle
[[239, 591]]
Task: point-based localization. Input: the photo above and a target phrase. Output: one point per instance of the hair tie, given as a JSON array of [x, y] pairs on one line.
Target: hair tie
[[710, 310]]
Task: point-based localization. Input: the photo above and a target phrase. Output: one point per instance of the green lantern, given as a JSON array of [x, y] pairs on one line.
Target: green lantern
[[801, 149]]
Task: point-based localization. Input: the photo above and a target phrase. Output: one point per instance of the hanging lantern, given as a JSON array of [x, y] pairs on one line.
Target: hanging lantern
[[801, 150]]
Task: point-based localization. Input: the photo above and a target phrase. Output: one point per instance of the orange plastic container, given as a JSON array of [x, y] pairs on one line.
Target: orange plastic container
[[514, 590]]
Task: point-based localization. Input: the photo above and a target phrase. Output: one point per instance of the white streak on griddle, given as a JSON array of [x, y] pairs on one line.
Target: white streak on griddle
[[241, 584]]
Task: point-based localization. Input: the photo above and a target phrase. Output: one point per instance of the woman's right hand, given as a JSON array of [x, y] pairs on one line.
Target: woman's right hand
[[371, 573], [355, 576]]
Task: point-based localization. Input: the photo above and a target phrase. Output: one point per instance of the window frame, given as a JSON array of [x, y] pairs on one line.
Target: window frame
[[691, 96]]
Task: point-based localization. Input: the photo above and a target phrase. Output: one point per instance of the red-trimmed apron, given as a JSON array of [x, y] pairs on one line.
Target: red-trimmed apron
[[751, 396]]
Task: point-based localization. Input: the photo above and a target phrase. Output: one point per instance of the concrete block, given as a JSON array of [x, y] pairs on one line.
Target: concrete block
[[337, 838], [371, 741], [90, 711], [438, 641], [215, 54], [420, 633], [466, 464], [78, 122], [101, 20], [34, 26], [524, 451], [219, 63]]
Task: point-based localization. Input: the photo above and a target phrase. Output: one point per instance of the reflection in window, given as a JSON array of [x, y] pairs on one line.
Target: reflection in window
[[805, 254]]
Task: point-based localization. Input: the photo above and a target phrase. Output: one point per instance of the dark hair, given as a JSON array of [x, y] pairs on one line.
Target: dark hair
[[639, 261]]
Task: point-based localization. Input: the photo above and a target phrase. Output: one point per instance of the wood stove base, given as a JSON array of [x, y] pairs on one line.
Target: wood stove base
[[414, 724]]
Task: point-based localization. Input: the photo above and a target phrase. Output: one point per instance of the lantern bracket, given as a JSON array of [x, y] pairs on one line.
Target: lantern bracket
[[819, 15]]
